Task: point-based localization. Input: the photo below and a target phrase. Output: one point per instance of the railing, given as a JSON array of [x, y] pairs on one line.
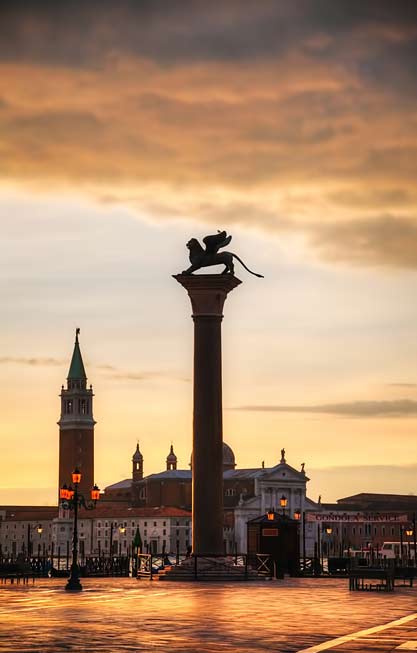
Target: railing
[[202, 566]]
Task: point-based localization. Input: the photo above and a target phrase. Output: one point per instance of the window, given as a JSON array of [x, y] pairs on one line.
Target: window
[[145, 523], [164, 523], [154, 523], [178, 532], [145, 532], [164, 532]]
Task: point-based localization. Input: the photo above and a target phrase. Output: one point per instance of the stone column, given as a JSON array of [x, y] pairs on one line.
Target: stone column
[[207, 293]]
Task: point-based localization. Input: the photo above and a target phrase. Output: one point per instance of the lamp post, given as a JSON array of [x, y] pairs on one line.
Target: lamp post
[[283, 503], [122, 531], [328, 530], [71, 499], [401, 545], [409, 533], [39, 530]]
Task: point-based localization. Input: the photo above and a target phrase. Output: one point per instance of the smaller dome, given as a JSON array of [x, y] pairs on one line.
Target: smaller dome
[[137, 456], [171, 457]]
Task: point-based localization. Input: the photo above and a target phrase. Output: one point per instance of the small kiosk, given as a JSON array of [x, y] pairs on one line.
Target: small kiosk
[[278, 536]]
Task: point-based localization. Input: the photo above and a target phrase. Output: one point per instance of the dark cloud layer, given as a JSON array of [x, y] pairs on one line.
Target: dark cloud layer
[[360, 409], [289, 116], [76, 32]]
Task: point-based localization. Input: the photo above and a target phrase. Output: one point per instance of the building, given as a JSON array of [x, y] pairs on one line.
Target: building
[[48, 531], [364, 521], [247, 493], [159, 504]]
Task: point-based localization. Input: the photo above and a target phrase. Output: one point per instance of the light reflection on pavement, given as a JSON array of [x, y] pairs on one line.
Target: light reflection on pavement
[[119, 614]]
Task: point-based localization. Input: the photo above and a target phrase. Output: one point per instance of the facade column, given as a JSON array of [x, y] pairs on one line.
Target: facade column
[[207, 293]]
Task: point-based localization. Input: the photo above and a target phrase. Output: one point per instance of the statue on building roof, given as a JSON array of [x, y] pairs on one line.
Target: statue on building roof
[[283, 456]]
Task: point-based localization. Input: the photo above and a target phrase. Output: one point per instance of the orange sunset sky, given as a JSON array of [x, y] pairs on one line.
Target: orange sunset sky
[[128, 127]]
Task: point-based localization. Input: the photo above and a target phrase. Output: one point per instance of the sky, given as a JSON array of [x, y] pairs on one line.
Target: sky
[[128, 127]]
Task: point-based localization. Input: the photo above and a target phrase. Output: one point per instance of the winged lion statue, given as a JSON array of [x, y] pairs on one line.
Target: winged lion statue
[[205, 257]]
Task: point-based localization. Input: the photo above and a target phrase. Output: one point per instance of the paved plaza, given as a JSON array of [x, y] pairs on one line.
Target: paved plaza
[[115, 615]]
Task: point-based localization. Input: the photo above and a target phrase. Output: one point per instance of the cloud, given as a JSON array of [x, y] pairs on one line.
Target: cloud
[[387, 239], [32, 362], [252, 113], [113, 372], [360, 409], [403, 385], [110, 370]]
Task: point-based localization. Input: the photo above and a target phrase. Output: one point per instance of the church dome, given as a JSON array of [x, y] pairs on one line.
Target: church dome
[[228, 458]]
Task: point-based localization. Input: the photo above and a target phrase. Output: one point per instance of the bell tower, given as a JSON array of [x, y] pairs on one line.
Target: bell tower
[[137, 465], [171, 459], [76, 425]]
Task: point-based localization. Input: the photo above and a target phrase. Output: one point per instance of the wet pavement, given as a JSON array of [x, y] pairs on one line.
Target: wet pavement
[[119, 614]]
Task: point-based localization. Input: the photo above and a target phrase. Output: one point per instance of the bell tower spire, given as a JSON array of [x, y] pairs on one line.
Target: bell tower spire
[[76, 424]]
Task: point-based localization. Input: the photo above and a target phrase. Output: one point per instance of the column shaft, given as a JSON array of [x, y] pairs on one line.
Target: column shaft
[[207, 491]]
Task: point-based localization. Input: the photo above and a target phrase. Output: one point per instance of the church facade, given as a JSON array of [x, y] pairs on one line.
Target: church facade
[[247, 493]]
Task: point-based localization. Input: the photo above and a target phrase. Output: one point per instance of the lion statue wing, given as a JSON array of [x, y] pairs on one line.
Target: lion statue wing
[[216, 241]]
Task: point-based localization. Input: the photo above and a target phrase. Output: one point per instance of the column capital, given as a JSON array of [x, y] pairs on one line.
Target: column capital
[[207, 292]]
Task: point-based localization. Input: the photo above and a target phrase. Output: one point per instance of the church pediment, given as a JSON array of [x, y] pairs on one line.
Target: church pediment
[[283, 472]]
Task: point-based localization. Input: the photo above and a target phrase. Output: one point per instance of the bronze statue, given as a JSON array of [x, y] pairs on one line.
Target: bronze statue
[[201, 258]]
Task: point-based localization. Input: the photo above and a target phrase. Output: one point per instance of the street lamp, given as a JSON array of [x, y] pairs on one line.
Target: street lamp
[[297, 515], [39, 530], [122, 531], [71, 499], [283, 503], [409, 533], [270, 515]]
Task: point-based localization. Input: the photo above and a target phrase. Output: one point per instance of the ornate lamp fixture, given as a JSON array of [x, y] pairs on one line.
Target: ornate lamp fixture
[[71, 499]]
